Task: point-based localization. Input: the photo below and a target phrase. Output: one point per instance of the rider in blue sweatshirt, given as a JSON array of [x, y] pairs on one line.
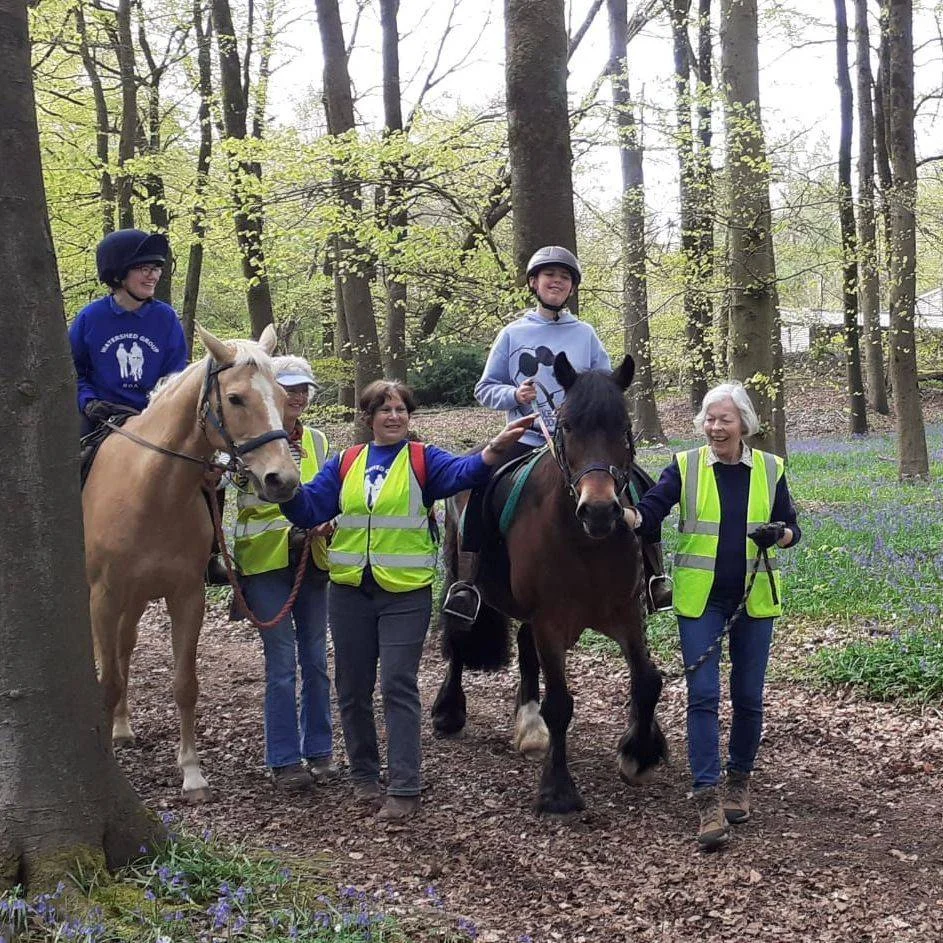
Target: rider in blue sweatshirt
[[124, 343]]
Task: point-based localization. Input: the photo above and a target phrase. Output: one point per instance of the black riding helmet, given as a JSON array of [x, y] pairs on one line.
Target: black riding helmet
[[121, 250], [554, 255]]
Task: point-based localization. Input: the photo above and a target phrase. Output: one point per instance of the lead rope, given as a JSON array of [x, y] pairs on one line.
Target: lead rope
[[762, 556], [234, 582]]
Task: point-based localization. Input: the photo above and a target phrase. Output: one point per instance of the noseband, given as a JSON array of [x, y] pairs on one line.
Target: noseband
[[215, 418]]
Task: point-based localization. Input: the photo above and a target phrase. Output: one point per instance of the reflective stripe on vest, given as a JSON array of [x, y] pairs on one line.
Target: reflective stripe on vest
[[261, 538], [699, 527], [393, 536]]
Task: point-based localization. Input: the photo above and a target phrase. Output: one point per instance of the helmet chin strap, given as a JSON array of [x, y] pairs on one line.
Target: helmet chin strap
[[556, 309]]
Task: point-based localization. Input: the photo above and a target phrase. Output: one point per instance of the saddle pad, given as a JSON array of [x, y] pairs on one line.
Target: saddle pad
[[520, 471]]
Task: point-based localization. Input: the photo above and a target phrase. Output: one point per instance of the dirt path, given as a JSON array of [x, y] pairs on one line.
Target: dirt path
[[847, 842]]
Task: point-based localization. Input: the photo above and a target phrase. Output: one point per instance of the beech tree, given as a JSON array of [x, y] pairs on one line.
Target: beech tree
[[857, 412], [62, 796], [753, 320], [913, 461], [538, 127]]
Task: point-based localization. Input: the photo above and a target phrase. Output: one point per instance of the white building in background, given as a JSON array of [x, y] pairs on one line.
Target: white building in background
[[799, 326]]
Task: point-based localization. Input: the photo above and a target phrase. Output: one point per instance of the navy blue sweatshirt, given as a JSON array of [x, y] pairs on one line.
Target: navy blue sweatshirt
[[120, 355], [446, 474], [733, 488]]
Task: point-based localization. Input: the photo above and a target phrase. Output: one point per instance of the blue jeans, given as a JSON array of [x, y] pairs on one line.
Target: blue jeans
[[304, 629], [370, 625], [749, 642]]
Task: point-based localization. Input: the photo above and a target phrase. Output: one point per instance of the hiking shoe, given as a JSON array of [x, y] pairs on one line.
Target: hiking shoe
[[216, 574], [737, 798], [367, 789], [322, 769], [292, 780], [714, 830], [462, 601], [659, 593], [398, 808]]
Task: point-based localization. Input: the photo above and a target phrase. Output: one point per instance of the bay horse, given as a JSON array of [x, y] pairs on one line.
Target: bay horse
[[567, 562], [148, 532]]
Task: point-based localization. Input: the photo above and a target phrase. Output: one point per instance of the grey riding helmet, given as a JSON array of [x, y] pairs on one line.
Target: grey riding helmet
[[555, 255]]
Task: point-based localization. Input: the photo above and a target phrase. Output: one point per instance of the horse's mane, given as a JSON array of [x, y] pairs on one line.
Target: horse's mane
[[594, 402], [247, 353]]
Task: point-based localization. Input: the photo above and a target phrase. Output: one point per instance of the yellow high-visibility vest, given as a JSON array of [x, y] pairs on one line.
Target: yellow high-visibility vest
[[699, 528], [392, 537], [261, 542]]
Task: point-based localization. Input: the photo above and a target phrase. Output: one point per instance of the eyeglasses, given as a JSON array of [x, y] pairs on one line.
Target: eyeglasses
[[393, 411], [301, 392], [148, 268]]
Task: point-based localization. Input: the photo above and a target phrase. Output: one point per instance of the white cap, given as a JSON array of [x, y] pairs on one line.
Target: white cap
[[293, 371]]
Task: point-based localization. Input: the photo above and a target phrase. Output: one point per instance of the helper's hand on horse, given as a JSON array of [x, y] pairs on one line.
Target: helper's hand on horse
[[506, 437], [766, 535]]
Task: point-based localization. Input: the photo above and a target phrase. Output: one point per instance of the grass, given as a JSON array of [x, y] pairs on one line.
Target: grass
[[864, 588], [195, 889]]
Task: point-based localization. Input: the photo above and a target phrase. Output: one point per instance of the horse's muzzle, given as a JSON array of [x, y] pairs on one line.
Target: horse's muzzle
[[599, 518], [276, 487]]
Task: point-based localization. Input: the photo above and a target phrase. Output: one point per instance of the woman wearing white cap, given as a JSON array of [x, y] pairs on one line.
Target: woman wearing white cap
[[267, 552]]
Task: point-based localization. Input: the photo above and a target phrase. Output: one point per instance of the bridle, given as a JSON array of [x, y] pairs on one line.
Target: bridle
[[557, 447], [213, 416]]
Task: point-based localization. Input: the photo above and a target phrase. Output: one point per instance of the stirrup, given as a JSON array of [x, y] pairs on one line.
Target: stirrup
[[663, 582], [463, 601]]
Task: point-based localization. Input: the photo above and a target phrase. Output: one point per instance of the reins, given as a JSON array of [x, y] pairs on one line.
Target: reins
[[234, 582], [762, 556]]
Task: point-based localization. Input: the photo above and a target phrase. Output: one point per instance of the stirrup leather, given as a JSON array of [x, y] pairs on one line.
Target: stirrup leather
[[451, 605]]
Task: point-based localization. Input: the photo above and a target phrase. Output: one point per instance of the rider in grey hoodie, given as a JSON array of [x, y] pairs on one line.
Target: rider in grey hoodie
[[518, 378]]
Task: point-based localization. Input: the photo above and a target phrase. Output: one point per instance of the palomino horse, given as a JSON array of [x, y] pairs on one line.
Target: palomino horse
[[148, 532], [568, 561]]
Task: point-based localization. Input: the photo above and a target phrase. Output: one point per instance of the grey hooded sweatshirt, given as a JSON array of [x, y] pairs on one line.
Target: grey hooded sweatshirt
[[526, 349]]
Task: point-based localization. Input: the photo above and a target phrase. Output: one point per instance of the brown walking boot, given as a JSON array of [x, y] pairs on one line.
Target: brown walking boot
[[293, 780], [714, 830], [737, 798], [398, 808]]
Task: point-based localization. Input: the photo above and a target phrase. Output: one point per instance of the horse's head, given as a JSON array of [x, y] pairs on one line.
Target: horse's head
[[241, 410], [594, 441]]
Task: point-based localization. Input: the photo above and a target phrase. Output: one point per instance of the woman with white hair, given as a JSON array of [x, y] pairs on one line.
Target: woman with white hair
[[267, 553], [735, 510]]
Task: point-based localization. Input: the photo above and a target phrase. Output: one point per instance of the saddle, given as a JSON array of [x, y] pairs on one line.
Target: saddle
[[91, 442]]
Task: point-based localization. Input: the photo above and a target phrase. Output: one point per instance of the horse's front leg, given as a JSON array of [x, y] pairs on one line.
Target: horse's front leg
[[531, 736], [186, 614], [121, 732], [643, 746], [449, 711], [558, 792]]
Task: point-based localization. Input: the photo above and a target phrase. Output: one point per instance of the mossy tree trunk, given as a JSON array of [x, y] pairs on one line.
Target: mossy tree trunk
[[62, 796]]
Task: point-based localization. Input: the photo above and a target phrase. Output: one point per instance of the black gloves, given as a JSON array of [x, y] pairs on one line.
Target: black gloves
[[98, 410], [296, 545], [766, 535]]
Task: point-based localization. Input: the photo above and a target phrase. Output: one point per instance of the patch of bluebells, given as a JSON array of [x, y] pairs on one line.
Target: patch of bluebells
[[45, 915]]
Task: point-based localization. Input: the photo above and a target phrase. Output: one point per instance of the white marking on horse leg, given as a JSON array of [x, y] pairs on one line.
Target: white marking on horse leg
[[531, 736]]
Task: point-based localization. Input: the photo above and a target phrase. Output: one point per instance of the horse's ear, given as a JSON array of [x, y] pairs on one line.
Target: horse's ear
[[269, 339], [624, 373], [217, 349], [563, 371]]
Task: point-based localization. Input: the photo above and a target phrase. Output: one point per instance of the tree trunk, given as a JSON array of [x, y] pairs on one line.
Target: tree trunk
[[342, 346], [538, 128], [124, 49], [913, 461], [102, 124], [354, 274], [637, 338], [869, 290], [52, 707], [882, 155], [245, 174], [752, 271], [857, 410], [191, 291], [395, 218]]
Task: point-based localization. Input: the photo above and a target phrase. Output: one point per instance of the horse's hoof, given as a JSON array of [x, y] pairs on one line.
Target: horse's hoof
[[198, 796], [123, 742], [447, 726], [560, 805], [531, 737], [459, 734], [631, 773], [532, 748]]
